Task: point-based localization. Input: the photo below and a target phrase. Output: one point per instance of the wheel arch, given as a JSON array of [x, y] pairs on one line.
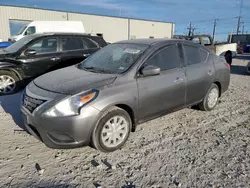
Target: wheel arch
[[219, 86], [11, 69], [131, 113]]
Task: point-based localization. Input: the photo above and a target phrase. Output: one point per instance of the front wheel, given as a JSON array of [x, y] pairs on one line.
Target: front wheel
[[112, 130], [9, 82], [211, 99]]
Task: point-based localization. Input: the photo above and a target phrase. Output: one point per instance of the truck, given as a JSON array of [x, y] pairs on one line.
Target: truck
[[229, 50], [48, 27]]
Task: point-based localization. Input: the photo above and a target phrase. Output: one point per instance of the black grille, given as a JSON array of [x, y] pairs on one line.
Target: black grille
[[31, 103]]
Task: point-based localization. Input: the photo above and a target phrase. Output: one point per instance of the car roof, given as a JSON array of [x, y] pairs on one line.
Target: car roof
[[153, 41], [64, 34]]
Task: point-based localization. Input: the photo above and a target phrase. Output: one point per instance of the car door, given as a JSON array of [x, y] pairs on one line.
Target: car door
[[40, 56], [75, 49], [165, 92], [199, 72]]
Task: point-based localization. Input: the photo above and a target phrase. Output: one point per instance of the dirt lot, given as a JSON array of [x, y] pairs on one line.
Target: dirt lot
[[189, 148]]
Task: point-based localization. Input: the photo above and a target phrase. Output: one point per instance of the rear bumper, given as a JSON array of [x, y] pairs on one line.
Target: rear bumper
[[64, 132]]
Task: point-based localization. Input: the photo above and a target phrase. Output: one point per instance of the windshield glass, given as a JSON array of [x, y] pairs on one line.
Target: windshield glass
[[19, 44], [114, 58], [21, 31]]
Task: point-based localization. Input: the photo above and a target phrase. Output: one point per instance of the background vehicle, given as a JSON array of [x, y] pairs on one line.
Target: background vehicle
[[49, 26], [219, 48], [4, 44], [102, 99], [248, 67], [37, 54]]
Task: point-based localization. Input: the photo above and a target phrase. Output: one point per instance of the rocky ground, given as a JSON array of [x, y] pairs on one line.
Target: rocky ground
[[188, 149]]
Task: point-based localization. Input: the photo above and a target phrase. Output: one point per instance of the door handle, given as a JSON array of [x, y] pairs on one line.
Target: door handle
[[86, 55], [178, 80], [210, 72], [54, 58]]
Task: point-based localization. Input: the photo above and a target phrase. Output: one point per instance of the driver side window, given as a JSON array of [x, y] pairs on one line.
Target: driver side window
[[46, 45], [166, 58]]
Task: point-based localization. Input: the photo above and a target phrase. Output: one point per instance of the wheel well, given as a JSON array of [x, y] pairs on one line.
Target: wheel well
[[14, 71], [130, 112], [219, 86]]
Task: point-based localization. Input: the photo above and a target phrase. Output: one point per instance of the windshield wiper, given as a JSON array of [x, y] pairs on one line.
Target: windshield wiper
[[97, 70]]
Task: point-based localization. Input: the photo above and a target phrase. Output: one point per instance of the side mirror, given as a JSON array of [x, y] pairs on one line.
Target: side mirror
[[150, 70], [30, 52]]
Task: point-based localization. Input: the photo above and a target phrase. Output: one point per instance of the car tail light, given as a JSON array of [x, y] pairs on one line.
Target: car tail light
[[228, 66]]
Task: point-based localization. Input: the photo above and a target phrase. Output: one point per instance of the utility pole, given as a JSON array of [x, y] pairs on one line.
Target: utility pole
[[190, 29], [193, 31], [239, 17], [238, 26], [243, 27], [215, 23]]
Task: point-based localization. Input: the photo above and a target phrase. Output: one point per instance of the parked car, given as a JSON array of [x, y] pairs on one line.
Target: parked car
[[37, 54], [102, 99], [36, 27]]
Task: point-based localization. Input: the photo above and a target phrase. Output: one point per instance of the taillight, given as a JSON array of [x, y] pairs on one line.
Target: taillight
[[228, 66]]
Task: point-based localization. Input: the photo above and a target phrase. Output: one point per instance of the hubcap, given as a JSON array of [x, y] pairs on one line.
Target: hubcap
[[213, 97], [114, 131], [7, 84]]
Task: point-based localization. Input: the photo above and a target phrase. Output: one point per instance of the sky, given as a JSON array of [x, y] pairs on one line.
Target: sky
[[200, 12]]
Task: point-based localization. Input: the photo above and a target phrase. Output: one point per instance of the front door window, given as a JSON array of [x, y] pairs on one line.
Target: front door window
[[46, 45]]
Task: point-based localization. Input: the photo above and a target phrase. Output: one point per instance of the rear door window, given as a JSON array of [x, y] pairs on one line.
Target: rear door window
[[167, 58], [72, 43], [204, 55], [192, 54]]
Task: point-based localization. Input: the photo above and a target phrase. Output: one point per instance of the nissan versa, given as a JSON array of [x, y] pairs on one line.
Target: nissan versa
[[101, 100]]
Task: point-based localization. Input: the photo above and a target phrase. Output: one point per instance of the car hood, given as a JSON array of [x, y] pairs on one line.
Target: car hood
[[72, 80]]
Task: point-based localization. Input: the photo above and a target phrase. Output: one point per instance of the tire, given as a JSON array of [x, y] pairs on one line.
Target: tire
[[13, 88], [100, 130], [208, 103]]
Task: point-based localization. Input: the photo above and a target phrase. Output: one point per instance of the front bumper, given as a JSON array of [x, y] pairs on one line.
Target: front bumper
[[60, 132]]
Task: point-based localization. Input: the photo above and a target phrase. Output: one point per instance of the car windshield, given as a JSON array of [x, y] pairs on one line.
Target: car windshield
[[19, 44], [21, 30], [114, 58]]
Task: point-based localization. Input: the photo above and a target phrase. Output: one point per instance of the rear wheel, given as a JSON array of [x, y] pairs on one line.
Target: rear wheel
[[112, 130], [211, 99], [9, 82]]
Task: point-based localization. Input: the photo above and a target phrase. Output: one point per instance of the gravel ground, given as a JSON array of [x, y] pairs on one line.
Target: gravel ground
[[189, 148]]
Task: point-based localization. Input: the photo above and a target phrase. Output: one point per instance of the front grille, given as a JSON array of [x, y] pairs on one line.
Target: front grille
[[31, 103]]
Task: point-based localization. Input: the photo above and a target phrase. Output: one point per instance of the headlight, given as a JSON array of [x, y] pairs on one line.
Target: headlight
[[72, 105]]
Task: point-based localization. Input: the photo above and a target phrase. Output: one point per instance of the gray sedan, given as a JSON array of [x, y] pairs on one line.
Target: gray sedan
[[101, 100]]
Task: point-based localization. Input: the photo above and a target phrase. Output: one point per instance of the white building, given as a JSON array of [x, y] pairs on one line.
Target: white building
[[112, 28]]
